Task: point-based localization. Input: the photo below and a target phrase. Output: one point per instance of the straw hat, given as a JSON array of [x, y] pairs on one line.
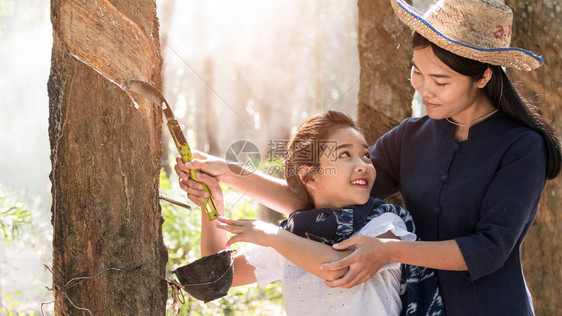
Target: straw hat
[[475, 29]]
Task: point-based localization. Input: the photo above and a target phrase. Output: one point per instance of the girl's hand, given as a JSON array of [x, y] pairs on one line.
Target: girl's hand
[[209, 167], [248, 230], [214, 188], [366, 259]]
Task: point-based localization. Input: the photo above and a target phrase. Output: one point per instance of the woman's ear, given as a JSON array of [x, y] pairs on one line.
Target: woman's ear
[[486, 76]]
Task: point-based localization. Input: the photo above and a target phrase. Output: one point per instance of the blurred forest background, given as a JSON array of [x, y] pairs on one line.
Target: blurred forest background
[[254, 69]]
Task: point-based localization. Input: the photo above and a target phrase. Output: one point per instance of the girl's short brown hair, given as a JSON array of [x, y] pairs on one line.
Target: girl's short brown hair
[[307, 146]]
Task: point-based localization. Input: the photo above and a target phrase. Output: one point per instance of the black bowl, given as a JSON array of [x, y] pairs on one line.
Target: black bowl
[[208, 278]]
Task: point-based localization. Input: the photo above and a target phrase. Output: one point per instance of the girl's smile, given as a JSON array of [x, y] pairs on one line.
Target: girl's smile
[[362, 183]]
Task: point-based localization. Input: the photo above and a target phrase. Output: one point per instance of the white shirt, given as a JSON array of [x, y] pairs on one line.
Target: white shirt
[[305, 294]]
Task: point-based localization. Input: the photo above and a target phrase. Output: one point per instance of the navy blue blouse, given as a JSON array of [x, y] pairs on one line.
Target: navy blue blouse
[[482, 192]]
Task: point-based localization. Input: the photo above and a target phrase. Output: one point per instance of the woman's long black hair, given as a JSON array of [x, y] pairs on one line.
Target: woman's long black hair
[[503, 94]]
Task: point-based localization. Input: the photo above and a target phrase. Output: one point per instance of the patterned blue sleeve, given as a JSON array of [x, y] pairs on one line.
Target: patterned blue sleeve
[[419, 290]]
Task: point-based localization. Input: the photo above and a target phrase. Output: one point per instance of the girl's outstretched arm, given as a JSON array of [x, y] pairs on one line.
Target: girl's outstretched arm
[[269, 191], [214, 240], [243, 272], [305, 253]]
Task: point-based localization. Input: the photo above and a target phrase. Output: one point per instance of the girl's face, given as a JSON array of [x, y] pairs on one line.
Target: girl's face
[[445, 93], [346, 173]]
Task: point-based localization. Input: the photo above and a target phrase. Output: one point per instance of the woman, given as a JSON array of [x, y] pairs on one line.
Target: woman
[[471, 172]]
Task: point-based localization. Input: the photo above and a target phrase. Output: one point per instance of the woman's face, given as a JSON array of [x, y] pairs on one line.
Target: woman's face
[[346, 173], [445, 93]]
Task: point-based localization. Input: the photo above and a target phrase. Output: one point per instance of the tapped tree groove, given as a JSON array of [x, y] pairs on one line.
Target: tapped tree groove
[[108, 253]]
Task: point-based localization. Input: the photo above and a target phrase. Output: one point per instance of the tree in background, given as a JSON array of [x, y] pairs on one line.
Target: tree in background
[[105, 156], [537, 26]]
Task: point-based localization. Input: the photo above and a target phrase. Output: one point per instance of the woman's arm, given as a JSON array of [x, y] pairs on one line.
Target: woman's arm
[[371, 253], [440, 255], [269, 191], [305, 253]]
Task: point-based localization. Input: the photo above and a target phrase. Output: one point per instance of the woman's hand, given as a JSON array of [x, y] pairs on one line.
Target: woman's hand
[[209, 167], [366, 259], [248, 230]]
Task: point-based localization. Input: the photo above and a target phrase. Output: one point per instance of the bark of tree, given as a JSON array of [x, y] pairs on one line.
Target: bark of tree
[[105, 157], [537, 26], [385, 94]]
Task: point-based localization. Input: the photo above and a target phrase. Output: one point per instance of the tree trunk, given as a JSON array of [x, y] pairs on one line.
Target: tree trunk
[[385, 96], [105, 156], [537, 27]]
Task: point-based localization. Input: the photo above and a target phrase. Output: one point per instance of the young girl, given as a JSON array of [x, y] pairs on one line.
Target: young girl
[[328, 166]]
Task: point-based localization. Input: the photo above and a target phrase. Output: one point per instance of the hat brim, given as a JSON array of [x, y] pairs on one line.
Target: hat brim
[[508, 57]]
